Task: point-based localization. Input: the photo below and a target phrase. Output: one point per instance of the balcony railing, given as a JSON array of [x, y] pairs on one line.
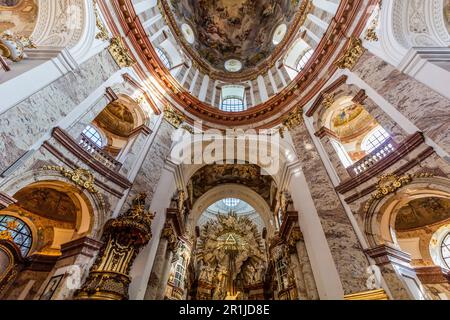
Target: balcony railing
[[373, 158], [99, 154]]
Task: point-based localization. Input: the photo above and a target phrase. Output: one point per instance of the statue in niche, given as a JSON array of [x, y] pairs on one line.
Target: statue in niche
[[207, 274]]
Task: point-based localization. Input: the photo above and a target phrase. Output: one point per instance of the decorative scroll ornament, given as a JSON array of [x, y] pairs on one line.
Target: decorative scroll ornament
[[169, 234], [103, 33], [120, 53], [81, 177], [390, 183], [371, 34], [174, 117], [328, 100], [188, 128], [294, 119], [13, 47], [352, 54], [123, 238]]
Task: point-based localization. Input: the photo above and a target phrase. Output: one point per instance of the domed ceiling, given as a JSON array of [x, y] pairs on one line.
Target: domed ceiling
[[233, 35]]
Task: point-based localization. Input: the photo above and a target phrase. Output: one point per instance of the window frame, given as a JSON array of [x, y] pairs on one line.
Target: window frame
[[232, 107], [304, 59], [101, 139], [372, 135], [164, 57], [28, 235], [445, 243]]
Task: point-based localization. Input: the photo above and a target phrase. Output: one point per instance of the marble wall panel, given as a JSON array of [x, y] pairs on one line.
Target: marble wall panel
[[345, 248], [427, 109], [25, 123]]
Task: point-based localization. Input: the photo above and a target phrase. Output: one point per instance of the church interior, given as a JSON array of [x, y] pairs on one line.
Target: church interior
[[224, 149]]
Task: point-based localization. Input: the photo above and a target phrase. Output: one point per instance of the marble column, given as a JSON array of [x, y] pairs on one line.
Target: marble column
[[165, 275], [425, 108], [299, 279], [306, 270], [325, 137], [347, 253], [157, 270], [389, 260]]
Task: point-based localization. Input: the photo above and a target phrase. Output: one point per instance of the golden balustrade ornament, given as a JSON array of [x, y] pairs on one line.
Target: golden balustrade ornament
[[123, 238]]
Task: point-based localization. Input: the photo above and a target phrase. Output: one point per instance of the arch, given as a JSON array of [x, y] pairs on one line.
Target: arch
[[233, 191], [76, 16], [379, 219], [93, 207]]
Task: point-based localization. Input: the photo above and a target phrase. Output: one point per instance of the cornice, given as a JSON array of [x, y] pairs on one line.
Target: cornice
[[283, 102]]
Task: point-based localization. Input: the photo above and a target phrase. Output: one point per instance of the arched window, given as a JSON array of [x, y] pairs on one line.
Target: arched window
[[17, 231], [282, 274], [342, 154], [180, 270], [93, 135], [232, 104], [304, 59], [164, 58], [374, 139], [231, 202], [445, 250]]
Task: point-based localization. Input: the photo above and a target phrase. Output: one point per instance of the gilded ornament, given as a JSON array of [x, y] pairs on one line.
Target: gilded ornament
[[13, 47], [81, 177], [123, 238], [294, 119], [352, 54], [120, 53], [328, 100], [174, 117], [390, 183], [103, 33]]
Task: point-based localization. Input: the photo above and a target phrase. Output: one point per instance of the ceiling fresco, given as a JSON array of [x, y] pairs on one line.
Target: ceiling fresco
[[422, 212], [18, 16], [117, 119], [234, 29], [48, 203], [351, 121], [248, 175]]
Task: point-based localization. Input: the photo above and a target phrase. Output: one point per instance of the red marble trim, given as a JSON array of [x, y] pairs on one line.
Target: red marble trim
[[432, 275], [385, 254], [326, 132], [70, 144], [332, 41], [360, 97], [174, 216], [72, 165], [6, 200], [402, 170], [42, 263], [85, 246], [332, 87], [289, 222], [410, 144], [142, 128], [111, 95]]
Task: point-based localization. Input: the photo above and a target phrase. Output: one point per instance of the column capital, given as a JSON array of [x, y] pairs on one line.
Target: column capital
[[385, 254]]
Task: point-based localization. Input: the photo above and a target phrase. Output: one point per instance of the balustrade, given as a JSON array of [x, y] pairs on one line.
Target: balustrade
[[99, 154]]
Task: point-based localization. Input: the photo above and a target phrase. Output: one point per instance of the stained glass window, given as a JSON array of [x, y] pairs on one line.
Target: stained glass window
[[92, 134], [17, 231], [233, 104], [445, 250], [164, 58]]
